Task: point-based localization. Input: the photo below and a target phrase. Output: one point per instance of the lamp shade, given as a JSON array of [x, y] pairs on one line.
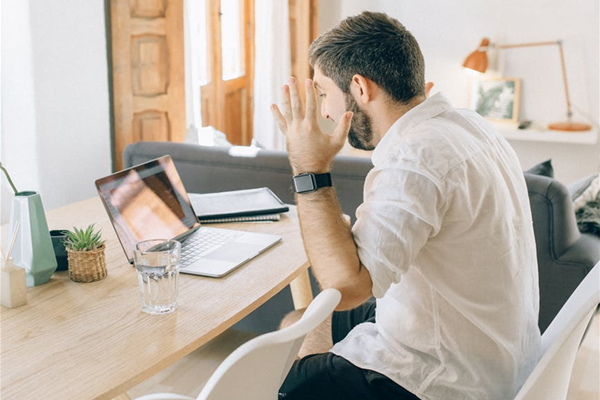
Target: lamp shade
[[478, 60]]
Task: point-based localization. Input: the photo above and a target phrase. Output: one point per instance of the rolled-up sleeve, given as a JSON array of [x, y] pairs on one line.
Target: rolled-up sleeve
[[401, 210]]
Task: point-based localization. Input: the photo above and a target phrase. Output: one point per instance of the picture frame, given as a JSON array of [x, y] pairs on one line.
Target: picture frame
[[497, 99]]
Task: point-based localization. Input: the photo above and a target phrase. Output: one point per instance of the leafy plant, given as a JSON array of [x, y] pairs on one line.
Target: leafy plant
[[83, 240]]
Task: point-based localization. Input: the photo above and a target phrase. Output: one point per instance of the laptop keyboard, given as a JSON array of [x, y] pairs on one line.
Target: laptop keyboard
[[203, 242]]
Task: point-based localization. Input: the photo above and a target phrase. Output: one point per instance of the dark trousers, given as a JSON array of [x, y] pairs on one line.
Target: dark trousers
[[330, 377]]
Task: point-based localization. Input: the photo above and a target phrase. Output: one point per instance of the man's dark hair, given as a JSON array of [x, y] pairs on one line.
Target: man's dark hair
[[375, 46]]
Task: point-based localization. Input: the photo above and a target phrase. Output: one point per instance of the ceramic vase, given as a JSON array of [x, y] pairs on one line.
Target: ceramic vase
[[33, 248]]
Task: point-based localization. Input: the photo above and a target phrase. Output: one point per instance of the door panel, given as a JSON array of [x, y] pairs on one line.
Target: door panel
[[304, 18], [151, 126], [150, 67], [236, 101]]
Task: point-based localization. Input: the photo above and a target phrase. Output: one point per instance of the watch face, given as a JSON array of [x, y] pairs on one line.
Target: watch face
[[305, 183]]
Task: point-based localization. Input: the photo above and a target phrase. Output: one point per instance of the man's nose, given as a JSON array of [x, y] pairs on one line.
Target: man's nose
[[324, 113]]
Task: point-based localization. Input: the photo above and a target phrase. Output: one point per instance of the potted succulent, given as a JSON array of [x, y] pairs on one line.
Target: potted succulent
[[85, 254]]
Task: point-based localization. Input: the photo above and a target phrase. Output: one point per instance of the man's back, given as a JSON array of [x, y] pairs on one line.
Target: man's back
[[446, 234]]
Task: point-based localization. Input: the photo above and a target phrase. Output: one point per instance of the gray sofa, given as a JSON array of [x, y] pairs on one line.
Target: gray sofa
[[564, 255]]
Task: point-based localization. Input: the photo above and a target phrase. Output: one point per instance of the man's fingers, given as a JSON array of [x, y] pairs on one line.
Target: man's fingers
[[343, 127], [279, 118], [297, 111], [285, 104], [311, 99]]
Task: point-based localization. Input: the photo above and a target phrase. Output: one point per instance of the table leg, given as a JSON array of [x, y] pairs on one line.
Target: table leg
[[301, 290]]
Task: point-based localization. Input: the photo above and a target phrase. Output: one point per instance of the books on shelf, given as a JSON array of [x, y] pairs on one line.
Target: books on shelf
[[249, 205]]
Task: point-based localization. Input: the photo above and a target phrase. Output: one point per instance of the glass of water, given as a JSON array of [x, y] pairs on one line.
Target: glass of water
[[157, 265]]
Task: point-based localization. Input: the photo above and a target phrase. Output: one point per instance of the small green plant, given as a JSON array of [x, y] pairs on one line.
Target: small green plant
[[83, 240]]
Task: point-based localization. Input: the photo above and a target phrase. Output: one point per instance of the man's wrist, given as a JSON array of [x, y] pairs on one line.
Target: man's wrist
[[314, 167], [311, 170]]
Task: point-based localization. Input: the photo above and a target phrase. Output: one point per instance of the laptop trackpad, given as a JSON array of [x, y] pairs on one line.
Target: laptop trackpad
[[234, 252]]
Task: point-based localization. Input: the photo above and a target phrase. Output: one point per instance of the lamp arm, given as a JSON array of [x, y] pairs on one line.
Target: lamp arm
[[532, 44], [564, 73], [562, 64]]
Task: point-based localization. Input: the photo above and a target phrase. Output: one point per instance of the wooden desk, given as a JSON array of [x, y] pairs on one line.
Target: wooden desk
[[92, 341]]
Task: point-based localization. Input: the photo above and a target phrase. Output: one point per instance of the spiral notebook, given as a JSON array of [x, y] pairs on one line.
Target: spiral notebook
[[249, 205]]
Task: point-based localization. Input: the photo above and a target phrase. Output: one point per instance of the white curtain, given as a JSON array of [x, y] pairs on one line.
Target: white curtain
[[272, 68], [195, 50]]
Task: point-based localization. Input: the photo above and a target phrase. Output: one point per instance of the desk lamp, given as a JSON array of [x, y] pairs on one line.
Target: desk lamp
[[478, 61]]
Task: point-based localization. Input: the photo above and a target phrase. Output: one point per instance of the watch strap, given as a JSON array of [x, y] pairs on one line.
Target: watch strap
[[323, 180]]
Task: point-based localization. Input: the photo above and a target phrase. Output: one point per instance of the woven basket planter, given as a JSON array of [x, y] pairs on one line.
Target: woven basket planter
[[87, 266]]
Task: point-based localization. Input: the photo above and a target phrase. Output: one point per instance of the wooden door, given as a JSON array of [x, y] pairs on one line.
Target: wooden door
[[227, 95], [304, 28], [148, 72]]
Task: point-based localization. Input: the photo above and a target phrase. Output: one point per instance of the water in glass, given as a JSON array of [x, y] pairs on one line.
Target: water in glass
[[157, 266]]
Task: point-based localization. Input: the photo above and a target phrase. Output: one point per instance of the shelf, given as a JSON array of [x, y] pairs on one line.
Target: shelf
[[543, 135]]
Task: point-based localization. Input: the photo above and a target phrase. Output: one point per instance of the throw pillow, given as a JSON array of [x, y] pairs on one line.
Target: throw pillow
[[586, 192], [543, 168], [588, 217]]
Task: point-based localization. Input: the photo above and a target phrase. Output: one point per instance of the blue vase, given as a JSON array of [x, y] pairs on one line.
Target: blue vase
[[33, 248]]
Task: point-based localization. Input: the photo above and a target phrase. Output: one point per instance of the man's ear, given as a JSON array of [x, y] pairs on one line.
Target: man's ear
[[362, 88]]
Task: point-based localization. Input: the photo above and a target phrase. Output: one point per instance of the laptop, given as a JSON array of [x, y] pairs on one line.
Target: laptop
[[148, 201]]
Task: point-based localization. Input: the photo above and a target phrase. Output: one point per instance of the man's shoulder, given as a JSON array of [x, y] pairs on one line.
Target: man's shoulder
[[437, 144]]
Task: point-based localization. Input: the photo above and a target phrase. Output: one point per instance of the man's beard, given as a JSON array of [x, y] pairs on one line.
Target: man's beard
[[361, 132]]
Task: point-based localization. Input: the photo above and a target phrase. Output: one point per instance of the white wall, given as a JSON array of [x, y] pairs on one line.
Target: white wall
[[448, 31], [55, 103]]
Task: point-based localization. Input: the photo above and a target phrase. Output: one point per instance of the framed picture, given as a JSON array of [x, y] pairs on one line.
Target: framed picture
[[497, 99]]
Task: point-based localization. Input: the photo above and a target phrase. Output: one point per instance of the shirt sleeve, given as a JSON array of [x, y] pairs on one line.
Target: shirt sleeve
[[402, 209]]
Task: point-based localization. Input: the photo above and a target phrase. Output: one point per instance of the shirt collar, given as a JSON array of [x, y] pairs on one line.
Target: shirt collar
[[434, 105]]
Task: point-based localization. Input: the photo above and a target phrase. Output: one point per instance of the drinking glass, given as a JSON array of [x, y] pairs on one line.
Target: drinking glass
[[157, 265]]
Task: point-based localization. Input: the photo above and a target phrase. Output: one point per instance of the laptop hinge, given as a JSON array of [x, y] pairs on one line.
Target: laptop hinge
[[185, 235]]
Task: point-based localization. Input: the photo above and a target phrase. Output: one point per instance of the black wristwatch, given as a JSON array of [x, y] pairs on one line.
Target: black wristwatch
[[305, 183]]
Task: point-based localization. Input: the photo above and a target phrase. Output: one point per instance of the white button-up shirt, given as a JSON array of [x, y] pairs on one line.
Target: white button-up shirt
[[446, 234]]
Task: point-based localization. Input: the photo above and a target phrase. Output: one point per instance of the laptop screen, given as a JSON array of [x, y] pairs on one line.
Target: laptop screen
[[147, 201]]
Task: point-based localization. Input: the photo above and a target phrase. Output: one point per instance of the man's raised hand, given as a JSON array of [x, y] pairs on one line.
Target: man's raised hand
[[309, 149]]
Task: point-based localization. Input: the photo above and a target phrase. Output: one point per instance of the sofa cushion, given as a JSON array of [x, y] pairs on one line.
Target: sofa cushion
[[587, 191], [588, 217], [578, 187]]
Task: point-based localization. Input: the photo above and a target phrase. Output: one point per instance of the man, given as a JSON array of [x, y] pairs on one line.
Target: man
[[443, 241]]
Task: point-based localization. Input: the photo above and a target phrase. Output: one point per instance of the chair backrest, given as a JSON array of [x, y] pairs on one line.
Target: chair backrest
[[550, 379], [257, 369]]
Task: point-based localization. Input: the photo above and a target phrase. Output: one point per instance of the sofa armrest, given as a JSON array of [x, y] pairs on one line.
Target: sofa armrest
[[558, 280], [553, 215]]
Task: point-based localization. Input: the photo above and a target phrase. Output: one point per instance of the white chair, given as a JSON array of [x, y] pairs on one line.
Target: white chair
[[256, 369], [550, 378]]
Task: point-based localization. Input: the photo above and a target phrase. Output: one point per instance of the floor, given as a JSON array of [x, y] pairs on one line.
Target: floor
[[585, 380], [188, 375]]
